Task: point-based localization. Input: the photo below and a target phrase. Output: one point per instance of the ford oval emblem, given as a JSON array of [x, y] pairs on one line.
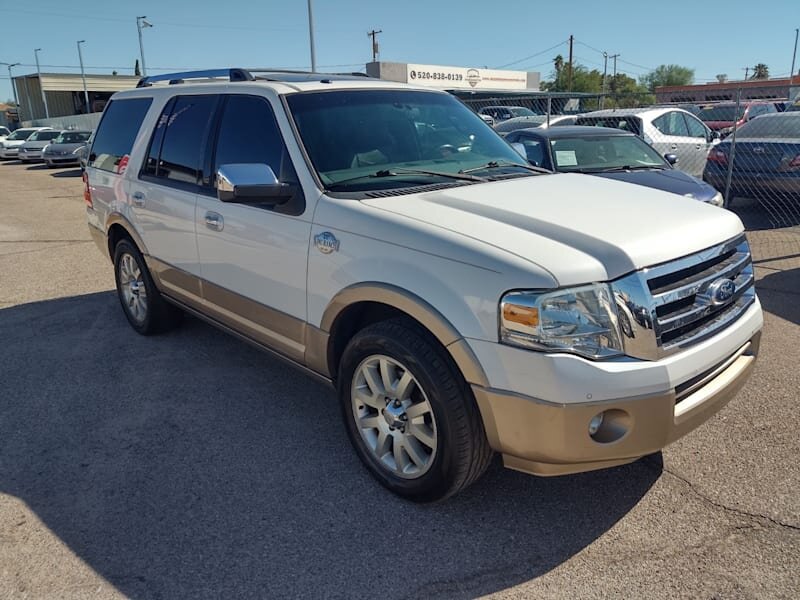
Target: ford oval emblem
[[326, 242], [721, 291]]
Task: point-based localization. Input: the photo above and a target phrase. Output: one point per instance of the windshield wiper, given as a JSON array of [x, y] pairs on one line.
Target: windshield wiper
[[495, 164], [624, 168], [400, 172]]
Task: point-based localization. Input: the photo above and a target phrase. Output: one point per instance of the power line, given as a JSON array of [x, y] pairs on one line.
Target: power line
[[514, 62], [648, 69]]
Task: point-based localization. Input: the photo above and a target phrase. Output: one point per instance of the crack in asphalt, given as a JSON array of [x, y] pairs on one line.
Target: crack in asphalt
[[720, 505], [48, 248]]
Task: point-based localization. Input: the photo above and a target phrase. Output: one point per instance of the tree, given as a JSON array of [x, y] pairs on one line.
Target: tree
[[136, 70], [760, 71], [722, 77], [667, 75]]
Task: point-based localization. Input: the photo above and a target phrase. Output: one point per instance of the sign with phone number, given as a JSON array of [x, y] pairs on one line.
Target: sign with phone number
[[465, 78]]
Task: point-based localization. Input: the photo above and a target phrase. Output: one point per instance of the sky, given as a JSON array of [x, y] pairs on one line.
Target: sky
[[711, 37]]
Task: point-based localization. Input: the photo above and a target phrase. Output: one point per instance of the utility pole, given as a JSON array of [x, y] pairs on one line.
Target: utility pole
[[614, 76], [311, 37], [794, 55], [142, 23], [41, 88], [746, 72], [374, 34], [605, 72], [569, 68], [83, 75], [13, 87]]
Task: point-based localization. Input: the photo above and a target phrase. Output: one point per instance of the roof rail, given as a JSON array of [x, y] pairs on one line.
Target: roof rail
[[173, 78]]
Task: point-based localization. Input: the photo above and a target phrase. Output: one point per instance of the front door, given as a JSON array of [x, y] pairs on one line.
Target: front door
[[672, 137], [254, 259]]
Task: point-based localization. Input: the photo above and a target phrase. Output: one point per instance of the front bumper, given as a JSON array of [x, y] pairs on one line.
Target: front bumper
[[746, 184], [9, 152], [54, 160], [547, 438], [30, 155]]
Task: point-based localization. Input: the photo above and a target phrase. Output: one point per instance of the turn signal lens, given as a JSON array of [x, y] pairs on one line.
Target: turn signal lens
[[87, 195], [524, 315]]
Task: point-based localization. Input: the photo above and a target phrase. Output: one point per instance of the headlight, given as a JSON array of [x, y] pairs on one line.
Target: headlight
[[582, 320], [717, 200]]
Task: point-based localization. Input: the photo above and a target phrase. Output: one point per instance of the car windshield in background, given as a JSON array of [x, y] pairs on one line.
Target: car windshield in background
[[43, 136], [720, 113], [20, 134], [72, 137], [521, 111], [601, 153], [360, 141], [624, 123], [786, 126]]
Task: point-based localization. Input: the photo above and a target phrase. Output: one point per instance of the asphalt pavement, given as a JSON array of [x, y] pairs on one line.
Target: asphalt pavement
[[190, 465]]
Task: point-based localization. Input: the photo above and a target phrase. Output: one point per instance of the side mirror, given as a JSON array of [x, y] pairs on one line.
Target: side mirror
[[251, 182], [713, 135], [671, 159], [520, 148]]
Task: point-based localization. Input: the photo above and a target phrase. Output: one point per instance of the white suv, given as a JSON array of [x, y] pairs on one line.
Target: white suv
[[383, 238]]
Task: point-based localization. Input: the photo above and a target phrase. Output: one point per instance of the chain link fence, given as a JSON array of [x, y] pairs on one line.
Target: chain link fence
[[747, 149]]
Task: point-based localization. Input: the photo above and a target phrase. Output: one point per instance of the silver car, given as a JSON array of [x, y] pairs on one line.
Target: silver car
[[65, 150], [9, 147], [32, 149]]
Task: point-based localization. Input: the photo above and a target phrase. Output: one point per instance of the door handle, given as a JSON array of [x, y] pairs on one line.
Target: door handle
[[138, 199], [673, 147], [214, 221], [699, 147]]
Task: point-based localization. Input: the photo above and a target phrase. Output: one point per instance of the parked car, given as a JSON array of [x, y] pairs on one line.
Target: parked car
[[504, 127], [458, 300], [766, 161], [4, 133], [608, 153], [32, 149], [10, 146], [488, 119], [688, 107], [721, 117], [66, 149], [501, 113], [793, 106], [668, 130]]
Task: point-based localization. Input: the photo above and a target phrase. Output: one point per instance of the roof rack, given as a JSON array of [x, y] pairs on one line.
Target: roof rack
[[237, 74]]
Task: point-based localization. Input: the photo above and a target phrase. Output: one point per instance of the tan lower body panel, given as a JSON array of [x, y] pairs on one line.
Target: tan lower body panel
[[544, 438]]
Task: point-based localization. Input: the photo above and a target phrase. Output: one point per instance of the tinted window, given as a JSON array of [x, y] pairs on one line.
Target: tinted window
[[696, 128], [248, 133], [671, 123], [117, 132], [721, 112], [43, 136], [534, 150], [786, 126], [72, 137], [22, 134], [184, 135], [625, 123]]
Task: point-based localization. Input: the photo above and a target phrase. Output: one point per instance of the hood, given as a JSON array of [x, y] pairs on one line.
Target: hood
[[36, 145], [669, 180], [12, 143], [579, 228], [71, 147]]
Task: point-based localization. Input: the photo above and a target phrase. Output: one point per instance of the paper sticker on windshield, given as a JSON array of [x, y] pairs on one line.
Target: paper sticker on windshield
[[566, 158]]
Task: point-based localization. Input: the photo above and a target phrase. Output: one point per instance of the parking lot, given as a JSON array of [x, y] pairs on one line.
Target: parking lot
[[192, 465]]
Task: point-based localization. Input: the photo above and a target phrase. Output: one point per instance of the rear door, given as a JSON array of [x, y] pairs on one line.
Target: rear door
[[254, 258], [702, 137], [165, 193]]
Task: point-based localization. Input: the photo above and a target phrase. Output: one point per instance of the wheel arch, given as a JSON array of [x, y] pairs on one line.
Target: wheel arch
[[119, 227], [357, 306]]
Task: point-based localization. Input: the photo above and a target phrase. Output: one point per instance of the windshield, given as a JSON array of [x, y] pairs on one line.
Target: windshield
[[21, 134], [521, 111], [600, 153], [785, 126], [4, 131], [352, 135], [721, 113], [72, 137], [42, 136]]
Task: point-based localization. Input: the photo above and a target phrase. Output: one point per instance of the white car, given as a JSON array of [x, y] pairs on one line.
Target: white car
[[383, 239], [4, 133], [33, 147], [9, 148], [669, 130]]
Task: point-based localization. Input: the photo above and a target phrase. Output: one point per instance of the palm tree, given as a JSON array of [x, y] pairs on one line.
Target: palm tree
[[760, 71]]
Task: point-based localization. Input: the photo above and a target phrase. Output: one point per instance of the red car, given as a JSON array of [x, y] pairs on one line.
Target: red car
[[721, 117]]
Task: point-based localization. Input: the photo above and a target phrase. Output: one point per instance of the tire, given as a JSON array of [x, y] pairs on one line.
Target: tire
[[435, 449], [144, 307]]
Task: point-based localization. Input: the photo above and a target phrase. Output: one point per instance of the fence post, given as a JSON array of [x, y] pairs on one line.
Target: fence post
[[549, 108], [733, 148]]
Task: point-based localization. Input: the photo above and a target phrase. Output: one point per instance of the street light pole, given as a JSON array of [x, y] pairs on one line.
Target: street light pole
[[41, 87], [83, 76], [141, 23], [311, 37]]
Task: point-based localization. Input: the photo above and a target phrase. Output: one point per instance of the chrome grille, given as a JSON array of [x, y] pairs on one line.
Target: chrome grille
[[671, 306]]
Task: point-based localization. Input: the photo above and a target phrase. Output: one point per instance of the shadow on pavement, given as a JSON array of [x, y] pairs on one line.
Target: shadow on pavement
[[191, 465], [75, 172], [779, 294], [37, 167]]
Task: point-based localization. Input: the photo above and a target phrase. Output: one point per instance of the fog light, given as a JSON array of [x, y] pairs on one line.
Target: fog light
[[595, 423]]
